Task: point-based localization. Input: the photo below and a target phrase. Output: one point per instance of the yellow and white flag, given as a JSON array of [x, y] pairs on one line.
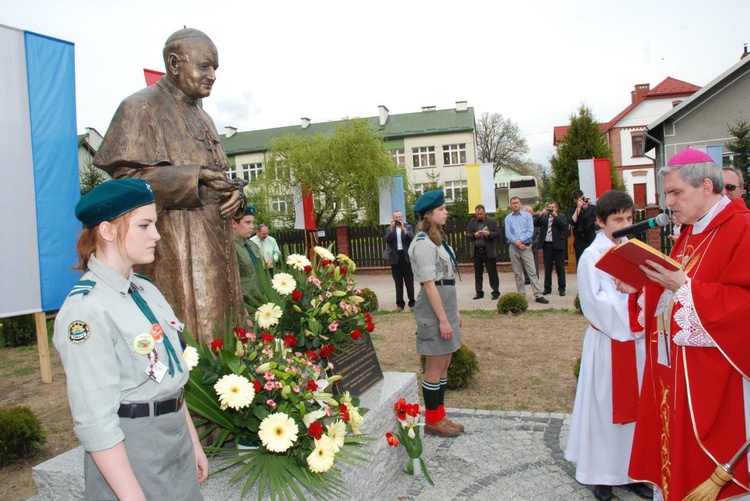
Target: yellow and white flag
[[480, 185]]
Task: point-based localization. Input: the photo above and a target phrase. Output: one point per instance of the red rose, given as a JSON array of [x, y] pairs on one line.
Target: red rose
[[315, 430], [392, 439], [296, 295], [290, 340], [267, 338], [217, 344], [312, 385], [326, 350], [311, 355], [308, 269], [343, 270], [256, 385], [240, 333], [368, 318], [324, 262], [370, 327], [356, 334], [344, 412]]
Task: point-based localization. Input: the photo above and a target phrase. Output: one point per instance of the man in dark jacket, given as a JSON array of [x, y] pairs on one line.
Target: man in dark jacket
[[553, 240], [582, 219], [398, 237], [484, 234]]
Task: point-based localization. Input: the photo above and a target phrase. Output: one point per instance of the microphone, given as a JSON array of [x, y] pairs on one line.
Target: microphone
[[641, 226]]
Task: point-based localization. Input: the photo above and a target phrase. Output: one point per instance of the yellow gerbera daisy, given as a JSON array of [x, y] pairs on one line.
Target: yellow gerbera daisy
[[322, 457], [234, 391], [267, 315], [278, 432], [283, 283]]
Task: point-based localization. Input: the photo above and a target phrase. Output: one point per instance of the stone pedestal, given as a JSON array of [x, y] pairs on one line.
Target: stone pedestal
[[61, 478]]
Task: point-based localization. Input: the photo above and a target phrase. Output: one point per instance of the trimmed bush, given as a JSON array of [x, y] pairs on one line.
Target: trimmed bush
[[20, 434], [18, 331], [512, 303], [577, 304], [462, 369], [370, 303]]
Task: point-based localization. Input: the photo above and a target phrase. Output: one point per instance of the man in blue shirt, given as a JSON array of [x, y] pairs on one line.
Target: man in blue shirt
[[519, 231]]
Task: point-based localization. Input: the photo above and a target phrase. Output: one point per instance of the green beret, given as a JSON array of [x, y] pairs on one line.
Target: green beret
[[249, 210], [428, 201], [111, 199]]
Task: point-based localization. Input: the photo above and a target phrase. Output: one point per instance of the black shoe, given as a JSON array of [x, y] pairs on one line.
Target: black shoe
[[542, 300], [495, 295], [527, 282], [562, 293], [639, 489], [479, 295], [603, 492], [547, 292]]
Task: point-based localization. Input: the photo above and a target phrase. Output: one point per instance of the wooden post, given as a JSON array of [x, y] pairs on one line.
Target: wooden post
[[571, 266], [42, 344]]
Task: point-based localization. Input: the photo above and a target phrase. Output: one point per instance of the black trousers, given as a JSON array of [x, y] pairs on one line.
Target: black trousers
[[556, 257], [481, 260], [402, 275], [579, 245]]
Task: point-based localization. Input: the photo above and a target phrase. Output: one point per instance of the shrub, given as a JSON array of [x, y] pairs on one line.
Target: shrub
[[577, 304], [20, 433], [18, 331], [370, 303], [512, 303], [462, 369]]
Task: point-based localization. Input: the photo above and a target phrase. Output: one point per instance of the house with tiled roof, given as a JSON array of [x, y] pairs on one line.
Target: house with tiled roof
[[432, 145], [625, 134]]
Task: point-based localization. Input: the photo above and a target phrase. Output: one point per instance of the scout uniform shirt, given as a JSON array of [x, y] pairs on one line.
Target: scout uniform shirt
[[96, 334], [248, 270]]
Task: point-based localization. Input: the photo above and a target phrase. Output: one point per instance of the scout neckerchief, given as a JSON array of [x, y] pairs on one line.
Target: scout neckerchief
[[453, 259], [146, 310], [252, 254]]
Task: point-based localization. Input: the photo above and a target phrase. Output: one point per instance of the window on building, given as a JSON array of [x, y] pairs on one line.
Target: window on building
[[455, 190], [637, 143], [251, 172], [398, 156], [420, 188], [424, 156], [279, 205], [232, 171], [454, 154], [727, 159]]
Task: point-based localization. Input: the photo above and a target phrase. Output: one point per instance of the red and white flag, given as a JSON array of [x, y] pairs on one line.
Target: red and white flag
[[304, 212]]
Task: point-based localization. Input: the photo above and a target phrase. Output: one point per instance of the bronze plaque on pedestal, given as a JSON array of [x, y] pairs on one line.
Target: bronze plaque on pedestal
[[358, 366]]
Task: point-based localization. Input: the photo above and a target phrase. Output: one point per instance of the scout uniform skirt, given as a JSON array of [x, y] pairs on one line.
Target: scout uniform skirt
[[429, 341], [161, 454]]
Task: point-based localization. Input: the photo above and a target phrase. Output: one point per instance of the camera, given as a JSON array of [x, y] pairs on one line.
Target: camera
[[397, 222], [586, 200], [550, 209]]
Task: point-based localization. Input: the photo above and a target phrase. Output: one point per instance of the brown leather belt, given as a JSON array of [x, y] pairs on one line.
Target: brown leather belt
[[137, 410]]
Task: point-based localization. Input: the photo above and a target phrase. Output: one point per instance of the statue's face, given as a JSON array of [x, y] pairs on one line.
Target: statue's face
[[197, 69]]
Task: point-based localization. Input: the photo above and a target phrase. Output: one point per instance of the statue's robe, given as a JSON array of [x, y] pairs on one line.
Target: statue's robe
[[161, 135]]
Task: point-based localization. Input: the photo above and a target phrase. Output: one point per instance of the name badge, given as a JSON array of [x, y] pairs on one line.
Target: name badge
[[156, 371]]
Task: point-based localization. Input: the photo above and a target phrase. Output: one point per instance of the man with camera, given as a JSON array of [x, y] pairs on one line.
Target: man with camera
[[553, 242], [582, 219], [484, 233], [398, 237]]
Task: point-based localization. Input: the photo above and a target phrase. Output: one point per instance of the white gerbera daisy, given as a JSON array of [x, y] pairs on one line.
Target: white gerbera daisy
[[234, 391], [324, 253], [278, 432], [190, 356], [298, 262], [283, 283], [321, 458], [337, 433], [267, 315]]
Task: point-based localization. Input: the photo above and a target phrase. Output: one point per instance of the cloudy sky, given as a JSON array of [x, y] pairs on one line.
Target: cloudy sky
[[279, 61]]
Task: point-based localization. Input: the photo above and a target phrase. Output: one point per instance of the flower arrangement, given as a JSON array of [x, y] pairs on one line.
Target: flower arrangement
[[257, 390], [314, 301], [407, 434]]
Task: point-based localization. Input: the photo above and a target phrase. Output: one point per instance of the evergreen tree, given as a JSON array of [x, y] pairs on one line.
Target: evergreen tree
[[740, 146], [584, 140]]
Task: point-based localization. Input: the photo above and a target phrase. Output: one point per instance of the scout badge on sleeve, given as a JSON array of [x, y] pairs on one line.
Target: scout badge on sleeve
[[78, 332]]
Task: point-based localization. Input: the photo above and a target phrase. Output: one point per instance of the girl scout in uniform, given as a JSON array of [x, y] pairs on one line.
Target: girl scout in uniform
[[436, 309], [118, 340]]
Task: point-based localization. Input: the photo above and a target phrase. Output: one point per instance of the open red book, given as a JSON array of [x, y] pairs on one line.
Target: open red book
[[622, 260]]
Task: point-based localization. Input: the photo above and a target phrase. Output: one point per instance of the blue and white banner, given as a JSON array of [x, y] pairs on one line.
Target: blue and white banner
[[39, 184], [392, 199]]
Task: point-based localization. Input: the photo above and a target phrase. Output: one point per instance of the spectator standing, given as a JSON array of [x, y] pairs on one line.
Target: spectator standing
[[554, 243], [734, 185], [248, 256], [484, 234], [519, 229], [269, 249], [534, 245], [398, 237], [582, 219]]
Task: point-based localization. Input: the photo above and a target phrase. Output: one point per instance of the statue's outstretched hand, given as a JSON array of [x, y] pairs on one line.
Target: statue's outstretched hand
[[217, 181], [232, 205]]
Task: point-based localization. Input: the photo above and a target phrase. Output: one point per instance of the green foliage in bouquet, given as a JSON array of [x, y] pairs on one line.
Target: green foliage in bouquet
[[512, 303], [20, 433], [256, 389], [370, 303], [409, 418], [462, 369], [316, 301]]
